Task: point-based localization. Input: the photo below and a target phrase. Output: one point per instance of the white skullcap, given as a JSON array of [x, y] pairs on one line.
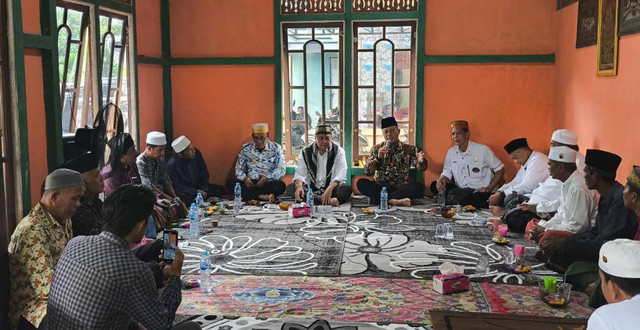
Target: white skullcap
[[563, 154], [180, 144], [156, 138], [565, 136], [63, 178], [620, 258], [260, 128]]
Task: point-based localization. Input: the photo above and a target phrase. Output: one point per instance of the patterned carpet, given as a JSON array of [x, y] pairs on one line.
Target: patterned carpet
[[263, 240], [363, 299]]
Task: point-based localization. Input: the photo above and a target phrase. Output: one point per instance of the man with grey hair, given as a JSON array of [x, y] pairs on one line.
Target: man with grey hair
[[36, 246]]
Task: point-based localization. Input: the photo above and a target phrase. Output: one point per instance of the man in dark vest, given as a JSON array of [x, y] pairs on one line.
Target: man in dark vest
[[322, 167]]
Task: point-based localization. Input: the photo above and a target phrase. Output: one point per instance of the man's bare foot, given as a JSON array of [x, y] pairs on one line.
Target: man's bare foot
[[495, 223], [496, 210], [334, 202], [269, 198], [400, 202]]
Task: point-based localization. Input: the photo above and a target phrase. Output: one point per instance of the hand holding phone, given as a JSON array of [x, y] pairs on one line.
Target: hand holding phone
[[170, 238]]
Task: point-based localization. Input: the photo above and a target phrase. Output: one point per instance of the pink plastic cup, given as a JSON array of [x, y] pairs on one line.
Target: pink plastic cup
[[502, 229], [518, 250]]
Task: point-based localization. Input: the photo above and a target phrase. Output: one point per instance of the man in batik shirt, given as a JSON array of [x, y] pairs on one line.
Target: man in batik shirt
[[389, 162], [152, 167], [36, 246], [260, 167]]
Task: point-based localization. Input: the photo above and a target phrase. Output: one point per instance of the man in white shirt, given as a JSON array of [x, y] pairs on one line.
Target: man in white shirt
[[471, 170], [577, 204], [619, 263], [322, 167]]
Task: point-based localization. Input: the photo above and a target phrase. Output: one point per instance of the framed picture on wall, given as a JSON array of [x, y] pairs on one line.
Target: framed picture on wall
[[629, 17], [608, 38], [564, 3], [587, 33]]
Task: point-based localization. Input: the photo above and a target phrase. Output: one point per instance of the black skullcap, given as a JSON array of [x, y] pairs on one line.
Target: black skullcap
[[82, 164], [121, 143], [515, 145], [388, 122], [602, 160]]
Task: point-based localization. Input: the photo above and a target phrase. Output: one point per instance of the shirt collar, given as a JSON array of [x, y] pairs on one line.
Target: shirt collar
[[47, 218], [267, 146], [115, 240], [316, 151], [469, 146], [574, 177]]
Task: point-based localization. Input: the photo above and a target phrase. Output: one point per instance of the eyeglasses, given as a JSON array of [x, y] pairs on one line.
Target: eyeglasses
[[259, 138]]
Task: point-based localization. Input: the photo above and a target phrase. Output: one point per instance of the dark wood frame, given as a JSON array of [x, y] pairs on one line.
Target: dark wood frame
[[607, 38], [565, 3], [287, 86], [587, 16], [630, 26], [471, 320], [356, 83]]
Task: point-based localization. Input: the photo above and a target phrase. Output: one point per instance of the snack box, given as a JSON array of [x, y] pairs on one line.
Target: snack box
[[446, 284], [297, 211]]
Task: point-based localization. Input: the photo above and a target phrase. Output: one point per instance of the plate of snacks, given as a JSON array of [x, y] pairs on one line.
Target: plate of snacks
[[518, 269], [500, 240], [468, 208], [367, 210]]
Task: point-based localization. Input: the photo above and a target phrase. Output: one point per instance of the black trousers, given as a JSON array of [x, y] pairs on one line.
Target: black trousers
[[342, 192], [214, 190], [516, 219], [372, 190], [464, 196], [275, 187], [572, 250]]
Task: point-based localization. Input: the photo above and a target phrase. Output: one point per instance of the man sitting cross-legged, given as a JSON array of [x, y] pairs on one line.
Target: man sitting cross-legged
[[389, 162], [100, 284]]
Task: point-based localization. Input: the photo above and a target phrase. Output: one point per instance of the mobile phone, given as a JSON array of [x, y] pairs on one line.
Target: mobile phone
[[170, 238]]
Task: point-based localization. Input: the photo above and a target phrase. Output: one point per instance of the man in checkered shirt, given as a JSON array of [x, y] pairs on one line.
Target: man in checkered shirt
[[98, 283]]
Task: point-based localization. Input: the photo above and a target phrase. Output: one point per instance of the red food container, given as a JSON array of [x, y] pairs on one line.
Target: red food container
[[446, 284], [298, 211]]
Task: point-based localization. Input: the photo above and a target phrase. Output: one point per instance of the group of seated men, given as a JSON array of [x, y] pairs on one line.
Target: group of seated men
[[552, 198]]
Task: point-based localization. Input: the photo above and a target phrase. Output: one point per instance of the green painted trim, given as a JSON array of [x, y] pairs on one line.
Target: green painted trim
[[347, 90], [420, 49], [51, 85], [224, 61], [165, 29], [135, 69], [356, 171], [141, 59], [37, 41], [457, 59], [21, 91], [290, 170], [97, 80], [110, 4], [277, 72]]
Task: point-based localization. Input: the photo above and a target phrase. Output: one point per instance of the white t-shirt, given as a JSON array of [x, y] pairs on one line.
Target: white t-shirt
[[624, 315], [534, 171], [338, 172]]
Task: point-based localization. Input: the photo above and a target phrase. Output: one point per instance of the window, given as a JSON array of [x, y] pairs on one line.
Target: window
[[79, 80], [313, 83], [384, 67]]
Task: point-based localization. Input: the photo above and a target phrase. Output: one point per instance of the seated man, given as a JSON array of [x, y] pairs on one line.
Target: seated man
[[189, 174], [322, 167], [473, 167], [619, 263], [87, 219], [152, 167], [100, 284], [567, 138], [533, 170], [389, 162], [577, 204], [121, 168], [36, 246], [260, 167], [631, 195], [613, 221]]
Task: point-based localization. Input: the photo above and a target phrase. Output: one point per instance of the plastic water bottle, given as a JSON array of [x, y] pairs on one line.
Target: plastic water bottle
[[310, 199], [193, 221], [199, 200], [205, 272], [384, 200], [442, 198], [237, 198]]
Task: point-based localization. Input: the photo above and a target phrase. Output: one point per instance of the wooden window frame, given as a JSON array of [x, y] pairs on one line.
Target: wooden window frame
[[356, 84], [287, 87]]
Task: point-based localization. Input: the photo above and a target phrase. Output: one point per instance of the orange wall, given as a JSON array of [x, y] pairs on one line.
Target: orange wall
[[603, 111], [222, 28], [31, 16], [151, 102], [215, 106], [472, 27], [38, 167], [149, 37], [501, 103]]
